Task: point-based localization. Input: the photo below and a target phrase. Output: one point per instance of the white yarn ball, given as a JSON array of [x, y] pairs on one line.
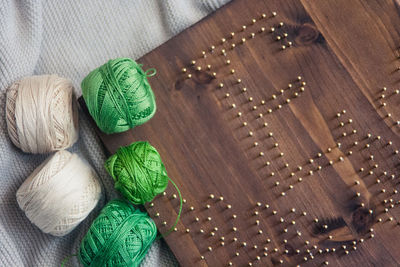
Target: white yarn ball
[[42, 114], [60, 193]]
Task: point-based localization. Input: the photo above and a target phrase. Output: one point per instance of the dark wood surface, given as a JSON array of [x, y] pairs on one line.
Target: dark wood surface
[[328, 151]]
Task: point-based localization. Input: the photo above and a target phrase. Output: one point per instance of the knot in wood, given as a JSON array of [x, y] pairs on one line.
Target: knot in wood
[[307, 34], [362, 219]]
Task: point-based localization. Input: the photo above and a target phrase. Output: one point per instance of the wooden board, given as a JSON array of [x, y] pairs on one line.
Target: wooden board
[[307, 167]]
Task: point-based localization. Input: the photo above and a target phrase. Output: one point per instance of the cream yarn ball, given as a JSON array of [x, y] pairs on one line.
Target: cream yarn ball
[[60, 193], [42, 114]]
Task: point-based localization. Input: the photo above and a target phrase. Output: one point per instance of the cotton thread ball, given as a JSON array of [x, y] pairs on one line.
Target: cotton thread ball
[[138, 172], [118, 95], [120, 236], [42, 114], [60, 193]]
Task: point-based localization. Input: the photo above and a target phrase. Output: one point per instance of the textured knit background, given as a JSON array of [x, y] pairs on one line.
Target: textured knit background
[[70, 38]]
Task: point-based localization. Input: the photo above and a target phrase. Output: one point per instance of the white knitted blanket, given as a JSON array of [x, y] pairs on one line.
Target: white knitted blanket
[[70, 38]]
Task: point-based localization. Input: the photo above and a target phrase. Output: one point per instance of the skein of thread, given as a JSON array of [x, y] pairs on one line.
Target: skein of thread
[[138, 172], [120, 236], [60, 193], [118, 95], [42, 114]]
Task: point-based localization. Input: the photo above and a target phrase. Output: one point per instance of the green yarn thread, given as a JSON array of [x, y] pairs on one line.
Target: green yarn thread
[[120, 236], [138, 172], [118, 95]]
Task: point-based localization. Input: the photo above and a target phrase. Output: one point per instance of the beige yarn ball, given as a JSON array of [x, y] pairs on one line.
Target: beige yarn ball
[[42, 114], [60, 193]]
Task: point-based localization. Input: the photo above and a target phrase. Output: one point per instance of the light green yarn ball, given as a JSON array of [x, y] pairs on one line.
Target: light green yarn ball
[[138, 172], [118, 95], [120, 236]]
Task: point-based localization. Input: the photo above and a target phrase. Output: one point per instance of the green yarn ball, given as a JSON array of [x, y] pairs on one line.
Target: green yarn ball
[[118, 95], [138, 172], [120, 236]]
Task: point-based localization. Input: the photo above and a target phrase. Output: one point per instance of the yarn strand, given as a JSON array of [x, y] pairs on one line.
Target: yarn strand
[[67, 258], [179, 213]]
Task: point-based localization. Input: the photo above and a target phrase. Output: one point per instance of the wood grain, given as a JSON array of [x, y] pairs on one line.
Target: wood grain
[[324, 150]]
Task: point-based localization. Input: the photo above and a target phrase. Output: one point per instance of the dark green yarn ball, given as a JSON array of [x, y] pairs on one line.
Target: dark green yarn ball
[[118, 95], [138, 172], [120, 236]]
